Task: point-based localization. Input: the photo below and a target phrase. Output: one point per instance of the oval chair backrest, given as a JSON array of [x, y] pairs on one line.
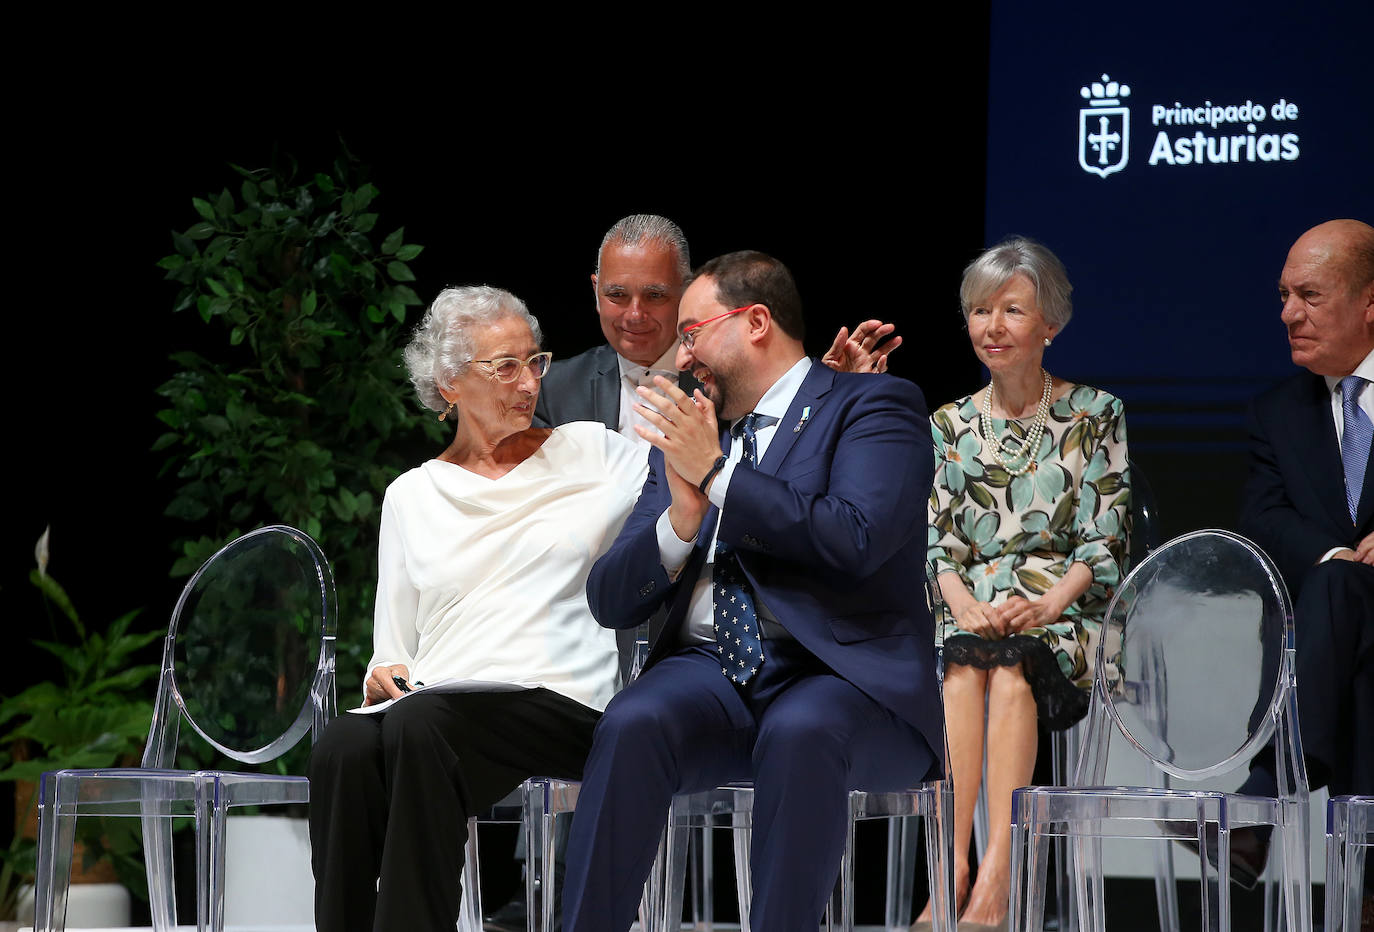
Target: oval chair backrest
[[249, 656], [1191, 662]]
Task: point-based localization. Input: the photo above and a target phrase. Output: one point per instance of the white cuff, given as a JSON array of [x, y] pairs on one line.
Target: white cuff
[[673, 551], [722, 484]]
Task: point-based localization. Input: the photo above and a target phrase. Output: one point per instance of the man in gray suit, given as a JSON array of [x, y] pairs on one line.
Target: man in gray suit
[[641, 266]]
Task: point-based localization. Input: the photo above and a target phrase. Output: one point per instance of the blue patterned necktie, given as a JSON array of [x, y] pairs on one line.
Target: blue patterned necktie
[[1355, 438], [734, 619]]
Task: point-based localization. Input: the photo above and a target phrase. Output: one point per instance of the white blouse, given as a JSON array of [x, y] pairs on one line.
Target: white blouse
[[486, 579]]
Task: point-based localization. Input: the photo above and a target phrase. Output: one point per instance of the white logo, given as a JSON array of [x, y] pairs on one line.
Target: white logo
[[1104, 128]]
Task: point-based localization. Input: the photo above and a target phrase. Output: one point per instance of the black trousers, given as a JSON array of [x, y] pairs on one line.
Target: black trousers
[[391, 794], [1334, 622]]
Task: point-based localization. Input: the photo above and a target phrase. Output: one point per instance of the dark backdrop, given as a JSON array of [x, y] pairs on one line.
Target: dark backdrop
[[829, 153]]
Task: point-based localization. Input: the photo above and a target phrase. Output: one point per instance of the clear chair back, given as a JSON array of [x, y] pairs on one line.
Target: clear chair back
[[1199, 636], [249, 654]]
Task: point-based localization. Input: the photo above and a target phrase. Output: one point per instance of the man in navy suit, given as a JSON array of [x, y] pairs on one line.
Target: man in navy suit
[[1309, 502], [798, 651]]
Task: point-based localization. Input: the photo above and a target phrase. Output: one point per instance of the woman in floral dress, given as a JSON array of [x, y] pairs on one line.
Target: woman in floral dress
[[1028, 524]]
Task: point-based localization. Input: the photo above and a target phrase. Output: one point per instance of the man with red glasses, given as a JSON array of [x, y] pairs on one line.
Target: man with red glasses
[[642, 265], [781, 525]]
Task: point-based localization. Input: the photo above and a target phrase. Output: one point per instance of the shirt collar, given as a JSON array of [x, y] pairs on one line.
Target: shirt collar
[[664, 365], [1364, 370], [778, 398]]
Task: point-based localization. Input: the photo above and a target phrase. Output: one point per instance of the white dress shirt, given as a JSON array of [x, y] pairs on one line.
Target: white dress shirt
[[632, 375]]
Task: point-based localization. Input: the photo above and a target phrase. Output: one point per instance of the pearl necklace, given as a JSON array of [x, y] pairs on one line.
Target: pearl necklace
[[1030, 445]]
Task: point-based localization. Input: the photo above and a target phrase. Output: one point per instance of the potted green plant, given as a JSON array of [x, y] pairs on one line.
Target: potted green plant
[[96, 715], [300, 412]]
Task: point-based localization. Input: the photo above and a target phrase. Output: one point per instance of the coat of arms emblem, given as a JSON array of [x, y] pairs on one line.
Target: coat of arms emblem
[[1104, 128]]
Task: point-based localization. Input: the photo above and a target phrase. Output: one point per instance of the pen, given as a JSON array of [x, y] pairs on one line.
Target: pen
[[401, 684]]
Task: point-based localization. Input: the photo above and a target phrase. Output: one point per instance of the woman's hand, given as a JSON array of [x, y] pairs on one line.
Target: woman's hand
[[379, 686], [980, 618], [1019, 613]]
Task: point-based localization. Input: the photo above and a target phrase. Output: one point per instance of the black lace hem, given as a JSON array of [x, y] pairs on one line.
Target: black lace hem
[[1058, 703]]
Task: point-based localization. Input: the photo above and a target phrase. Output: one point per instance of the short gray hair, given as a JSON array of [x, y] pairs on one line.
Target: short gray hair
[[443, 346], [638, 229], [1017, 254]]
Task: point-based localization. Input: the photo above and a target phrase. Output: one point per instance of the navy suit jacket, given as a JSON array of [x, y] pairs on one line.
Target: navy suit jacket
[[1294, 503], [830, 530]]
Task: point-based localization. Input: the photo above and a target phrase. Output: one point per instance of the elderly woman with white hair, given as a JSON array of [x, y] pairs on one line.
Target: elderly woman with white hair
[[1028, 524], [482, 572]]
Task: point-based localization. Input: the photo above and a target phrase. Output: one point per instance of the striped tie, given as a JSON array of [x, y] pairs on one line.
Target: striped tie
[[1355, 437]]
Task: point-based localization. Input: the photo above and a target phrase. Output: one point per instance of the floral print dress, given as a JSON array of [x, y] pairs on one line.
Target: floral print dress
[[1011, 535]]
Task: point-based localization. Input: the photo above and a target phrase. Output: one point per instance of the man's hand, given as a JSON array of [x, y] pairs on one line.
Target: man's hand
[[861, 351], [690, 441], [379, 686], [1363, 552]]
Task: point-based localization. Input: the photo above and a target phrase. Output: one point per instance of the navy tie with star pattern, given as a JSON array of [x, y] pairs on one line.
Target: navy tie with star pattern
[[734, 619]]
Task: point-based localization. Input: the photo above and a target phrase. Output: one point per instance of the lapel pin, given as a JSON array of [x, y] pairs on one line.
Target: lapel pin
[[806, 416]]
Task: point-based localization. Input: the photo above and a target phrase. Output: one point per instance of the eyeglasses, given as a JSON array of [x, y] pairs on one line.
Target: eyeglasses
[[507, 368], [689, 336]]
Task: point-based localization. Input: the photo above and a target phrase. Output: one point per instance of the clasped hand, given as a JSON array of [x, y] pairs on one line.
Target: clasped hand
[[690, 441], [998, 621]]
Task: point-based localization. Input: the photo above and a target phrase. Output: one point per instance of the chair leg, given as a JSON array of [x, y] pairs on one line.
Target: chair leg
[[939, 819], [901, 877], [210, 843], [673, 874], [157, 858], [742, 831], [470, 910], [1166, 890], [56, 837]]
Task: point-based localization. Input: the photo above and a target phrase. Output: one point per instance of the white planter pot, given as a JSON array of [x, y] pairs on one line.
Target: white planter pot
[[89, 906], [267, 878]]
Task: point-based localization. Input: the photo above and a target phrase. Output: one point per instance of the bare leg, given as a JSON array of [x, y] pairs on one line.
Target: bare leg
[[1011, 743], [965, 698]]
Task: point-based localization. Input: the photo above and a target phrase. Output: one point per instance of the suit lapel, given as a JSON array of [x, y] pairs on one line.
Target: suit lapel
[[804, 407], [606, 391], [1314, 430]]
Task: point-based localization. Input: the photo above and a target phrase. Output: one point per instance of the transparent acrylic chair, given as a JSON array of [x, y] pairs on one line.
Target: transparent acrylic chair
[[249, 662], [1195, 671], [1349, 838], [731, 806], [535, 805]]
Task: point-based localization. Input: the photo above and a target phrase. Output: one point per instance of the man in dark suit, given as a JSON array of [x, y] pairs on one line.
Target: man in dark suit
[[798, 651], [1309, 502]]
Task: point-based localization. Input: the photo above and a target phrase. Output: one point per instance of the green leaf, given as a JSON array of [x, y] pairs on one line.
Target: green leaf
[[399, 271], [364, 196], [408, 252], [171, 262], [248, 191], [365, 222], [224, 205], [375, 314], [218, 288], [979, 494], [324, 182], [236, 336], [346, 203], [201, 231], [393, 241], [182, 244], [406, 295], [203, 208], [310, 303]]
